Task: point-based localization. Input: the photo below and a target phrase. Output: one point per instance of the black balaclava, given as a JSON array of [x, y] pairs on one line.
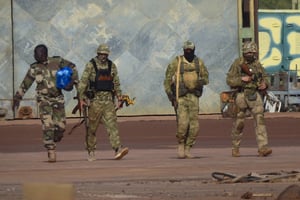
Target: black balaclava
[[250, 57], [189, 54]]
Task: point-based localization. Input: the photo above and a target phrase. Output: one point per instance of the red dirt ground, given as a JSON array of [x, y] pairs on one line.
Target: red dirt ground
[[151, 170]]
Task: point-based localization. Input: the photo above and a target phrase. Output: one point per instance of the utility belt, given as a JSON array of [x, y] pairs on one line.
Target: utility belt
[[183, 90], [94, 95], [250, 93], [103, 98]]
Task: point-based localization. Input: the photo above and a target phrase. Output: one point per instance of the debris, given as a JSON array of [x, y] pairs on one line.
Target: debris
[[253, 177], [249, 195]]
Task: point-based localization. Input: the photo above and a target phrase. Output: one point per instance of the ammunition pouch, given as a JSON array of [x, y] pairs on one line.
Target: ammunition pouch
[[198, 91], [250, 94], [182, 90]]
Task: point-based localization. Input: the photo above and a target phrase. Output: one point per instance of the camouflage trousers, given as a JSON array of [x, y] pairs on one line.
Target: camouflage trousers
[[187, 119], [256, 109], [102, 112], [53, 118]]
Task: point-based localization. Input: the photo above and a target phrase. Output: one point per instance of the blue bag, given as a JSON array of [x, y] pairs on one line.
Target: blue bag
[[64, 78]]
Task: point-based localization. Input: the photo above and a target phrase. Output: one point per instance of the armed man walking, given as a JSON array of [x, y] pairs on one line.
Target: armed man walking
[[52, 75], [184, 80], [248, 77], [100, 85]]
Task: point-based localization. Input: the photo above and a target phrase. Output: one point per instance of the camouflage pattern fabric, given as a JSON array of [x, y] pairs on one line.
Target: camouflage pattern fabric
[[243, 103], [49, 98], [187, 116], [102, 108], [188, 105], [170, 76], [102, 111], [249, 47], [89, 74], [52, 115]]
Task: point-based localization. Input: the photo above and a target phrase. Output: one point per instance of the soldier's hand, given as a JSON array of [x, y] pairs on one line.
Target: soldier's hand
[[119, 103], [262, 85], [83, 104], [246, 79], [16, 101]]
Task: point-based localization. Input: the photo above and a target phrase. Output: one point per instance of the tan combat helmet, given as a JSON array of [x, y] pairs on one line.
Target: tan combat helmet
[[188, 45], [249, 46], [103, 49]]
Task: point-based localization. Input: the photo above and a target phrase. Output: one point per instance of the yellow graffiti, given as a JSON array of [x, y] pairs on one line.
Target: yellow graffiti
[[274, 59], [274, 25], [293, 20], [264, 44], [294, 42]]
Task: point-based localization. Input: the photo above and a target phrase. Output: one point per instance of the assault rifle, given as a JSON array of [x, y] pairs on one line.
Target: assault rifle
[[256, 78], [85, 115], [124, 100], [245, 68]]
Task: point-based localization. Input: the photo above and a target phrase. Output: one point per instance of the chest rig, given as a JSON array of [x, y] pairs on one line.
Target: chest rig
[[103, 79], [189, 79]]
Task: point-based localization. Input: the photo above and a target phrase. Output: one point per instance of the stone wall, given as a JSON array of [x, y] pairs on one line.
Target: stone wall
[[144, 37]]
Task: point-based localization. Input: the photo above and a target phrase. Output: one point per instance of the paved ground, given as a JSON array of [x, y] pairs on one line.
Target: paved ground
[[151, 169]]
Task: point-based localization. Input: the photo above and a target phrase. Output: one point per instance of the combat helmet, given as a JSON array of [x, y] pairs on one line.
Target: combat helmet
[[188, 45], [103, 49], [249, 46]]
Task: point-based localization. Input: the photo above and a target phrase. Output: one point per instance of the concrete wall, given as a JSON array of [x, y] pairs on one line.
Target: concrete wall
[[144, 36]]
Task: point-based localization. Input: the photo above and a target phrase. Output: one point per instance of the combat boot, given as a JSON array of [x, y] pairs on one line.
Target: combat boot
[[91, 156], [235, 152], [264, 152], [181, 153], [51, 155], [121, 152], [187, 152]]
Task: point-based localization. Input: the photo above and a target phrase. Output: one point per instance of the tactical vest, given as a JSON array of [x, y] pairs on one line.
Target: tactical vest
[[189, 79], [103, 79]]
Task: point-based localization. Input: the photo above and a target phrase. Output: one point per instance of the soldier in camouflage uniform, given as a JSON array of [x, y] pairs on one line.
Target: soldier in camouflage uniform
[[49, 98], [184, 80], [100, 85], [248, 77]]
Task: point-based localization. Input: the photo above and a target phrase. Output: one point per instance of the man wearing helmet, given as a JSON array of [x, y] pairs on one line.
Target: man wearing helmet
[[49, 96], [248, 77], [184, 80], [100, 85]]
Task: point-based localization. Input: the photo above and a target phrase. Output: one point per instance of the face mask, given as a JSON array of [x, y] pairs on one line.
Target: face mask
[[189, 54], [250, 57]]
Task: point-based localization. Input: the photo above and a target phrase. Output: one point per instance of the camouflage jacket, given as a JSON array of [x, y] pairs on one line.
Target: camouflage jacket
[[170, 76], [235, 73], [89, 75], [45, 77]]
